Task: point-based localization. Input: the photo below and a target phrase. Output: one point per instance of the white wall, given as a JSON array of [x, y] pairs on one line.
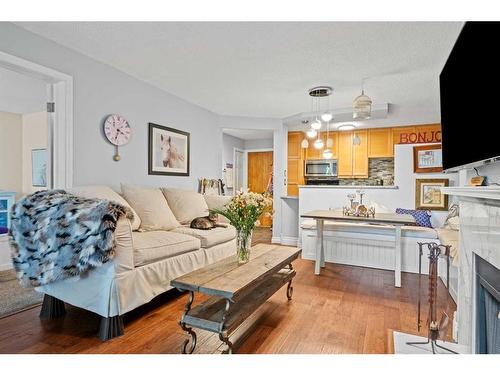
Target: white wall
[[229, 143], [100, 90], [34, 137], [11, 152], [24, 94], [258, 144]]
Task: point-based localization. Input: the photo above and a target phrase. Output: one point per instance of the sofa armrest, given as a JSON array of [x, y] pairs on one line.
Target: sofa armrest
[[124, 249]]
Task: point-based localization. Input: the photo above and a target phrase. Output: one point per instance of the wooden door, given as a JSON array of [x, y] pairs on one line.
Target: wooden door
[[360, 155], [260, 169], [344, 152], [295, 164], [380, 143]]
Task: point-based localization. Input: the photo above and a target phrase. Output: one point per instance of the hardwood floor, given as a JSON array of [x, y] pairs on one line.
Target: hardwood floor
[[345, 310], [261, 235]]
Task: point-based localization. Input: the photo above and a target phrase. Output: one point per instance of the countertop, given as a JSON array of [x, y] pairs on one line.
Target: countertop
[[357, 187]]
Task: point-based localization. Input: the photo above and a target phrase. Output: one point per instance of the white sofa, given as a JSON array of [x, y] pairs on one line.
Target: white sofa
[[144, 264]]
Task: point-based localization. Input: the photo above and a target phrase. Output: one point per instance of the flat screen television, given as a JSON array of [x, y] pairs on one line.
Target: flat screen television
[[470, 106]]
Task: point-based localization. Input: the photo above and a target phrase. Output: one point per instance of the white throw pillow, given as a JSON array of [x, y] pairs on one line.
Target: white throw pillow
[[105, 192], [151, 206], [186, 205], [217, 202]]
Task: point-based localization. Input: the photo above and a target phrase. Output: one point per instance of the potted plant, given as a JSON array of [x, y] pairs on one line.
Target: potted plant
[[243, 212]]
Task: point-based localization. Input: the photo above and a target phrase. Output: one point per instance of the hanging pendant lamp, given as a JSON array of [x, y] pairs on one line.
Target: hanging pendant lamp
[[362, 106]]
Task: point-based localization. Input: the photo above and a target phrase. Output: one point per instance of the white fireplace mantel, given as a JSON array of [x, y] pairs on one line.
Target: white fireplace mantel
[[482, 192], [479, 236]]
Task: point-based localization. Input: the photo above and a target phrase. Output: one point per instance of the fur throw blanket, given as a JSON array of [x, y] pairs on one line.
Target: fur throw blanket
[[56, 235]]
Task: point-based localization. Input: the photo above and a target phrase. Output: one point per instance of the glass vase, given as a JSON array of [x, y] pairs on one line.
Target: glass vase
[[243, 245]]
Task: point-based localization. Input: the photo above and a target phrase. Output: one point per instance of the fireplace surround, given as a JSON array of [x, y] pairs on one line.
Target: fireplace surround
[[479, 256]]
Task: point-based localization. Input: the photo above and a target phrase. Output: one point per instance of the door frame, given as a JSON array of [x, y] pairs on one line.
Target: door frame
[[235, 169], [59, 123], [245, 163]]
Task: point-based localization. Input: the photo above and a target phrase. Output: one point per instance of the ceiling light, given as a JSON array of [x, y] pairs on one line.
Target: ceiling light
[[327, 116], [318, 144], [329, 142], [304, 143], [362, 106], [316, 125], [346, 127], [327, 153], [311, 133]]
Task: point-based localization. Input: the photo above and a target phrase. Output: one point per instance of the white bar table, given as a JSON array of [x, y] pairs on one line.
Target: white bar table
[[396, 220]]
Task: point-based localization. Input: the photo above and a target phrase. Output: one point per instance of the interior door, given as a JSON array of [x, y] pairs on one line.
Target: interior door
[[260, 169]]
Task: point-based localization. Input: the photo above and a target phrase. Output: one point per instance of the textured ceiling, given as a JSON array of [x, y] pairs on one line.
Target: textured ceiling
[[264, 69]]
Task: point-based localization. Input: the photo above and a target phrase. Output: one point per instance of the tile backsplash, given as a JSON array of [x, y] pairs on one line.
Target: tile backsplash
[[378, 169]]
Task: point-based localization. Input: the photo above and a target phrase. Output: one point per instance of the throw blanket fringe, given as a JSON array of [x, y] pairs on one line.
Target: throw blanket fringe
[[56, 235]]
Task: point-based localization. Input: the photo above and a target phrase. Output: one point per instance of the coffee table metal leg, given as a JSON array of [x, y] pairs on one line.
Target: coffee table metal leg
[[289, 288], [223, 335], [188, 330]]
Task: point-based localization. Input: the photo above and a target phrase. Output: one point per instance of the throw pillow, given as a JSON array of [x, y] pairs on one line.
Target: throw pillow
[[422, 218], [151, 206], [452, 220], [105, 192], [186, 205], [217, 202]]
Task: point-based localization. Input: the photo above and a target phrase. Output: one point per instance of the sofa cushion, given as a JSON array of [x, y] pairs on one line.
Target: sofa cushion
[[152, 246], [217, 202], [186, 205], [151, 206], [209, 237], [388, 230], [105, 192]]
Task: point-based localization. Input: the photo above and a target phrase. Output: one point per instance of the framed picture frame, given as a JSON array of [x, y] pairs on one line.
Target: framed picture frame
[[39, 167], [428, 194], [168, 151], [427, 159]]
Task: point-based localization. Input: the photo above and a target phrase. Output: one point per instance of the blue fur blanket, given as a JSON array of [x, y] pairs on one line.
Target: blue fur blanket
[[56, 235]]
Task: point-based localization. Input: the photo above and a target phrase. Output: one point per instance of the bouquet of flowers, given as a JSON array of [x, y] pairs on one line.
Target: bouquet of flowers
[[243, 212]]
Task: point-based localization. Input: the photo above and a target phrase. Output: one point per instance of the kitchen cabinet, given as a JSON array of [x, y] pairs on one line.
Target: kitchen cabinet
[[360, 155], [352, 159], [380, 143], [295, 164], [314, 154]]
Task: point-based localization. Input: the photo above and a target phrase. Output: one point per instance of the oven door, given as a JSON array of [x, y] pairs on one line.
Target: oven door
[[318, 168]]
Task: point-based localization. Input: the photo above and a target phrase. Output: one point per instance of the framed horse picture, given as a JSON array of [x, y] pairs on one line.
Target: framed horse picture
[[168, 151]]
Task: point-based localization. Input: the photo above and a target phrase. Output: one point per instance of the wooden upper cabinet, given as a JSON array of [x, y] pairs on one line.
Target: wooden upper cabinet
[[295, 164], [380, 143], [360, 155], [344, 159], [313, 153]]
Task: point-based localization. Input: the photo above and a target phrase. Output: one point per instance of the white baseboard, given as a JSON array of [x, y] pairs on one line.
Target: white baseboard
[[276, 240], [289, 241]]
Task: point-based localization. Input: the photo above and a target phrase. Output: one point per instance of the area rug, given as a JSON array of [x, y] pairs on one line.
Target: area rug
[[400, 346], [13, 297]]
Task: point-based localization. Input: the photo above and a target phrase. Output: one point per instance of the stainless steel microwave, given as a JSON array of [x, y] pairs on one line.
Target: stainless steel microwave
[[320, 168]]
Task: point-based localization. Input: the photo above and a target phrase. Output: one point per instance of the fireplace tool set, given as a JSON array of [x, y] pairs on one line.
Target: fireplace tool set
[[436, 329]]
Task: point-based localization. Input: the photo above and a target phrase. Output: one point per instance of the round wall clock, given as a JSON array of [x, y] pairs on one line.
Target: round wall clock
[[117, 131]]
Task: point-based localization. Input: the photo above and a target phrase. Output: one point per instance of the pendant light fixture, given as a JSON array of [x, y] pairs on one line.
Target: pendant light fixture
[[316, 94], [311, 133], [319, 144], [362, 105], [356, 141]]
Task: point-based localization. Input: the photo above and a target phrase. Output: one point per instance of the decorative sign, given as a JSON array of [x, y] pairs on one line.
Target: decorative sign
[[427, 136]]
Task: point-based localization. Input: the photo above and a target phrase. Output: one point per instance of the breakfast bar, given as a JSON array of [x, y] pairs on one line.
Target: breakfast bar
[[396, 220]]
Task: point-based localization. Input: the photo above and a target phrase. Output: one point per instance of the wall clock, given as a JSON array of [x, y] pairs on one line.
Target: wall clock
[[117, 131]]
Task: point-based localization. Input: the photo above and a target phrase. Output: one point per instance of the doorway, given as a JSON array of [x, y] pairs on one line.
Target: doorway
[[260, 177]]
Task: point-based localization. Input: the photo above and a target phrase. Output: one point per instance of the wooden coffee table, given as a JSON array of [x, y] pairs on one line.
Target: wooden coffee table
[[236, 290]]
